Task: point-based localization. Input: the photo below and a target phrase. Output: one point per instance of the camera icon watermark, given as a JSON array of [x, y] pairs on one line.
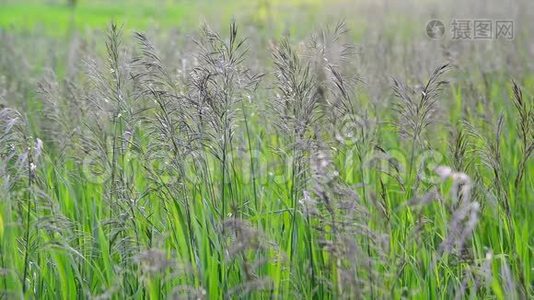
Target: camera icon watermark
[[435, 29]]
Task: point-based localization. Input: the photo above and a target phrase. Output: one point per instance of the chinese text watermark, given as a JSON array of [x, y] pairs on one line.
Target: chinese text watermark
[[472, 29]]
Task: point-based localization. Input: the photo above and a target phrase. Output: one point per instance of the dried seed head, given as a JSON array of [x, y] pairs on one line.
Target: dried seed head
[[154, 261]]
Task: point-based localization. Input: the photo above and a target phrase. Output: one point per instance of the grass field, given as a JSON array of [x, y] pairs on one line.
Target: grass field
[[287, 154], [58, 18]]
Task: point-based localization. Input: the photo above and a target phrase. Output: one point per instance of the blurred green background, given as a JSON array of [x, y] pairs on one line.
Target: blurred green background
[[61, 16]]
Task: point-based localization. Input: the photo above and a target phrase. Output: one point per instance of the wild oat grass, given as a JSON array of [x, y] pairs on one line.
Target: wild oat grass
[[227, 166]]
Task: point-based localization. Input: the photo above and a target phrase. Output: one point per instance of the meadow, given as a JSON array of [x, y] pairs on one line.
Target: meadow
[[265, 150]]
